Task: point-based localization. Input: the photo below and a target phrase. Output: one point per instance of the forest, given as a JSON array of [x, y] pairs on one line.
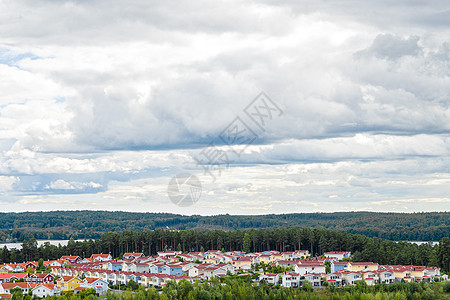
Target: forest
[[432, 226], [242, 288], [315, 240]]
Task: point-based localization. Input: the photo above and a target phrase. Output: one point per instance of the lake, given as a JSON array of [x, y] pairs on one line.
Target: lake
[[52, 242]]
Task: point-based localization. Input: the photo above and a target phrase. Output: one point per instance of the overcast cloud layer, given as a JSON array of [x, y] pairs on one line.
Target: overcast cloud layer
[[103, 102]]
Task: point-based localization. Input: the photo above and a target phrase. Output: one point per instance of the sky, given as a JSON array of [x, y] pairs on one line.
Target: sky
[[104, 103]]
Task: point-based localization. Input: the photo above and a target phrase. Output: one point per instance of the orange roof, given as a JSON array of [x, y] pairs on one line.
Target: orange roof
[[50, 286], [91, 279], [69, 257], [67, 278], [22, 285], [40, 275], [9, 275], [133, 254], [100, 255]]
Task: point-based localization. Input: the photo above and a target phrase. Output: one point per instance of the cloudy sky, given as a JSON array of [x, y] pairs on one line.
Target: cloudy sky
[[103, 102]]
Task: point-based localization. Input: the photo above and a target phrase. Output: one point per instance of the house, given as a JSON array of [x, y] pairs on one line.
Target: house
[[71, 259], [186, 266], [14, 267], [340, 255], [112, 277], [68, 283], [101, 257], [207, 271], [290, 279], [294, 255], [314, 278], [124, 277], [40, 278], [413, 273], [156, 280], [145, 280], [9, 277], [45, 290], [114, 265], [57, 263], [31, 264], [270, 278], [136, 277], [370, 277], [386, 276], [265, 258], [337, 266], [126, 266], [287, 255], [242, 262], [139, 267], [305, 268], [132, 255], [172, 269], [287, 263], [334, 278], [156, 267], [99, 285], [350, 277], [186, 257], [5, 288], [362, 266], [317, 259], [235, 253], [166, 253], [212, 260], [301, 254]]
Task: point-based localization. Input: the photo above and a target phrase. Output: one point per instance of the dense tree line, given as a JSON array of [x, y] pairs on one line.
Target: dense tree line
[[94, 224], [242, 288], [316, 241]]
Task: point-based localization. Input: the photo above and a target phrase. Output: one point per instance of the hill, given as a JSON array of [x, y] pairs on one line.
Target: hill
[[430, 226]]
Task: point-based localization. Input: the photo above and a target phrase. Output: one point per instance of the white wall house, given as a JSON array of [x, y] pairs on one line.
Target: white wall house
[[305, 268]]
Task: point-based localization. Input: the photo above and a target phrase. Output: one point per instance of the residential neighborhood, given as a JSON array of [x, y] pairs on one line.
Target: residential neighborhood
[[101, 272]]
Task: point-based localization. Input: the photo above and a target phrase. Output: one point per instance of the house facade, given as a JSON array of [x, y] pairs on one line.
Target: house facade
[[45, 290]]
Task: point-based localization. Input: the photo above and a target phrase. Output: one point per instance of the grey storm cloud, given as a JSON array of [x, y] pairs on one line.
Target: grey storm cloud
[[112, 98], [392, 47]]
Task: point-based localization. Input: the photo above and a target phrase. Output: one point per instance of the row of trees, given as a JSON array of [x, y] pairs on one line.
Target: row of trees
[[316, 241], [431, 226], [244, 289]]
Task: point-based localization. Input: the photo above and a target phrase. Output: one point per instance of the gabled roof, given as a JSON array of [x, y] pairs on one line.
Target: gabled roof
[[40, 275], [135, 254], [10, 275], [49, 286], [290, 273], [68, 278], [311, 264], [100, 255], [22, 285], [242, 258], [91, 280], [288, 261]]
